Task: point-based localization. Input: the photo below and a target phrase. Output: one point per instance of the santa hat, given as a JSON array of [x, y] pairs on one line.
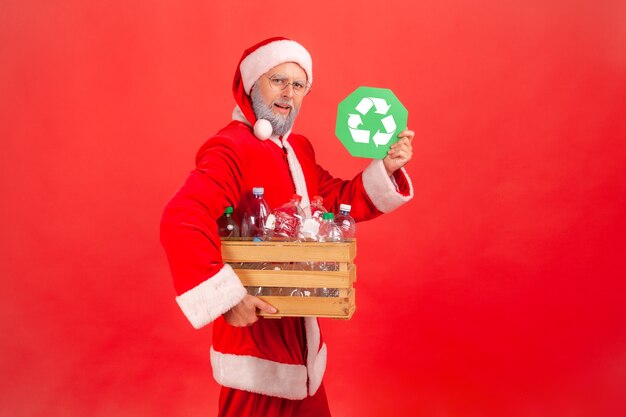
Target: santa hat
[[256, 61]]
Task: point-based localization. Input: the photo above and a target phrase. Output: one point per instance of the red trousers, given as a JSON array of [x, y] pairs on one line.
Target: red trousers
[[237, 403]]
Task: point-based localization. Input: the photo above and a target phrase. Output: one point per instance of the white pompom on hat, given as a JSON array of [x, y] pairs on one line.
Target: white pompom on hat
[[256, 61]]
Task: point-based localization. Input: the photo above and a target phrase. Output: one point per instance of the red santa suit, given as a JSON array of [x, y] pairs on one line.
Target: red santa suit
[[283, 358]]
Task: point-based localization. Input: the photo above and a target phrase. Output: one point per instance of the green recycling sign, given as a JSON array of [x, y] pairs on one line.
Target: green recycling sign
[[369, 121]]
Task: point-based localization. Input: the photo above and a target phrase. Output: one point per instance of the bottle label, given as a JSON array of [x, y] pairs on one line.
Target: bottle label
[[270, 223]]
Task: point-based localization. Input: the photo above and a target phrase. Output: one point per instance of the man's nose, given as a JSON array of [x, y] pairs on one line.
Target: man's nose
[[288, 91]]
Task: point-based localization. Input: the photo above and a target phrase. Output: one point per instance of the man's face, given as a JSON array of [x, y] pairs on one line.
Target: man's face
[[279, 106]]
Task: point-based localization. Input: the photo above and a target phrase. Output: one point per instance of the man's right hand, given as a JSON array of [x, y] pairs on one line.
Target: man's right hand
[[244, 313]]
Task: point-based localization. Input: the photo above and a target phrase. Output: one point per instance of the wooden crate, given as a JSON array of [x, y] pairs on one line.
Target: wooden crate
[[342, 306]]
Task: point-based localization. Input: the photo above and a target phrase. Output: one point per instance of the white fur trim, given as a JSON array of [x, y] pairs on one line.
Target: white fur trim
[[238, 115], [298, 176], [268, 56], [262, 129], [276, 140], [259, 375], [316, 359], [212, 298], [380, 188]]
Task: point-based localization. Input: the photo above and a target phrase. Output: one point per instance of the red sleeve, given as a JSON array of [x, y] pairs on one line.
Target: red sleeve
[[206, 288], [370, 193], [336, 191]]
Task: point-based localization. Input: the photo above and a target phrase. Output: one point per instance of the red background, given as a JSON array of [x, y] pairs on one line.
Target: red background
[[498, 291]]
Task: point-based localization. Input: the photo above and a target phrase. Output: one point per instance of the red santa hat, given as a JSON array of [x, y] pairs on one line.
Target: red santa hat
[[256, 61]]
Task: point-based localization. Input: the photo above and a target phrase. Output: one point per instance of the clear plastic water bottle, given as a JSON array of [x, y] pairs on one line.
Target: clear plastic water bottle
[[287, 220], [255, 217], [226, 225], [329, 231], [345, 222]]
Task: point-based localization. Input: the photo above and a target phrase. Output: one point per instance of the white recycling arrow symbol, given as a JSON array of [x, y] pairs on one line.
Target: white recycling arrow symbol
[[380, 107]]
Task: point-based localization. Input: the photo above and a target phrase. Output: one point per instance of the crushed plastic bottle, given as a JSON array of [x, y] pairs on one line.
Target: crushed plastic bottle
[[287, 220], [317, 208], [311, 225], [255, 218], [227, 226], [345, 222]]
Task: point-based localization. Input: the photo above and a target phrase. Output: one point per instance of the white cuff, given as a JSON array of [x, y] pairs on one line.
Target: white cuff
[[249, 373], [212, 298], [380, 188]]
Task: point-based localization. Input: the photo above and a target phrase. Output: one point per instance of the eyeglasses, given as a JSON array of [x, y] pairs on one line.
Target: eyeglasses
[[279, 82]]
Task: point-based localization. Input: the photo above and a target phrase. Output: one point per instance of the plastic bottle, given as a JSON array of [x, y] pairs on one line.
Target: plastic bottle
[[345, 222], [329, 232], [226, 225], [287, 220], [311, 225], [255, 216]]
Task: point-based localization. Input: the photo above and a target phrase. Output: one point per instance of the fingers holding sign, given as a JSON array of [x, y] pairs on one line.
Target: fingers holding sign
[[400, 153]]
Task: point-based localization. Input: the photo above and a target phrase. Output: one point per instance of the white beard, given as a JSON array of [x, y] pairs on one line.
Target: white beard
[[280, 124]]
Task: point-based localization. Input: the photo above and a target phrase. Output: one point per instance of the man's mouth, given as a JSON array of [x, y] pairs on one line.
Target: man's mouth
[[282, 108]]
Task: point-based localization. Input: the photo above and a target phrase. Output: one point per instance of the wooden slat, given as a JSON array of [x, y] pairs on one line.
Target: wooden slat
[[302, 279], [333, 307], [270, 251]]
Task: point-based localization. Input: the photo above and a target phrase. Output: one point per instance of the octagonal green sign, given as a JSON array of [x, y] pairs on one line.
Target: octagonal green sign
[[369, 121]]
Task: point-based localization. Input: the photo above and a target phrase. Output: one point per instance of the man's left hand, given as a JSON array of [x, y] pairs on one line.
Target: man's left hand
[[400, 152]]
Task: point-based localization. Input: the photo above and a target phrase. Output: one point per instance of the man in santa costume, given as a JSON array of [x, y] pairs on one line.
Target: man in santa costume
[[266, 367]]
